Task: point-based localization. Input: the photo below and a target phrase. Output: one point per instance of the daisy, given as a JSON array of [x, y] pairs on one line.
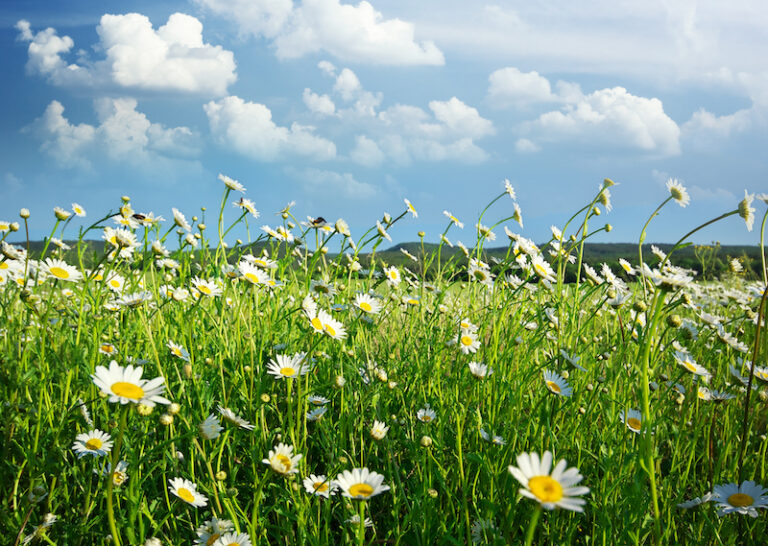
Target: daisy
[[453, 219], [207, 287], [627, 267], [509, 189], [61, 214], [235, 419], [426, 415], [744, 499], [252, 273], [393, 275], [572, 360], [233, 539], [288, 366], [125, 385], [678, 192], [411, 209], [695, 502], [333, 328], [115, 282], [468, 342], [465, 324], [633, 419], [480, 371], [382, 231], [94, 442], [485, 231], [119, 476], [517, 216], [687, 362], [178, 351], [282, 460], [187, 491], [212, 530], [557, 384], [107, 349], [247, 205], [180, 220], [316, 414], [367, 304], [746, 210], [210, 428], [379, 430], [360, 484], [60, 270], [542, 268], [495, 440], [233, 185], [322, 288], [551, 490], [320, 486], [317, 400]]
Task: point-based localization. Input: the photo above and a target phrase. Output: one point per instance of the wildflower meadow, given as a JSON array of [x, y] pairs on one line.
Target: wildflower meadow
[[161, 387]]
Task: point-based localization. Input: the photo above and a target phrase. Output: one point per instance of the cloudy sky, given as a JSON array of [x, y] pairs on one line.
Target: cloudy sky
[[347, 108]]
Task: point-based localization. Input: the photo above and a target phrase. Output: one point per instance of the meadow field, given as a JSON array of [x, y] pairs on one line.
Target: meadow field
[[178, 390]]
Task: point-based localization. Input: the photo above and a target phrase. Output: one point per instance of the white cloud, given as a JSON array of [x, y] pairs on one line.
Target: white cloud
[[461, 119], [356, 33], [525, 146], [332, 183], [613, 117], [511, 87], [173, 58], [12, 182], [366, 152], [66, 142], [405, 133], [703, 121], [248, 128], [318, 104], [123, 134]]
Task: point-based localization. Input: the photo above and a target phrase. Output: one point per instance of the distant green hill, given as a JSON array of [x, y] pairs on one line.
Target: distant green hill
[[709, 261]]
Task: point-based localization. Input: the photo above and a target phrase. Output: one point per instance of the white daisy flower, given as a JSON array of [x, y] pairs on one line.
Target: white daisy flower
[[94, 442], [187, 491], [125, 385], [555, 490]]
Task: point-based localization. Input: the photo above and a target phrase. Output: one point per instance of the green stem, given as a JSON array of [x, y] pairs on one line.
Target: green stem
[[532, 526]]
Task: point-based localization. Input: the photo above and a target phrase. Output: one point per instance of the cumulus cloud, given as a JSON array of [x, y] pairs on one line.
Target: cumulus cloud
[[610, 117], [321, 105], [356, 33], [247, 127], [366, 152], [404, 133], [123, 134], [511, 87], [138, 57]]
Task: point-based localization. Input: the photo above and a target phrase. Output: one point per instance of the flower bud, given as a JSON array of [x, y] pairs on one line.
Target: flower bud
[[24, 213]]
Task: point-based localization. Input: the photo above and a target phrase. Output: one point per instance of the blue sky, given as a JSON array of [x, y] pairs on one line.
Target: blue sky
[[347, 108]]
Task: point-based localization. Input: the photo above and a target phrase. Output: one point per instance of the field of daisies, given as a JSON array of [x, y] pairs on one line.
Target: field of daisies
[[295, 389]]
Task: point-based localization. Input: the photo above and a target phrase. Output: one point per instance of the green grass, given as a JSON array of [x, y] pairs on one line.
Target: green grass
[[443, 477]]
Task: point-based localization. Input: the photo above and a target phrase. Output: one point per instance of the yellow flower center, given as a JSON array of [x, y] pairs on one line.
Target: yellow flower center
[[365, 306], [128, 390], [287, 371], [413, 301], [330, 331], [185, 495], [540, 270], [320, 486], [213, 538], [118, 478], [93, 444], [466, 340], [361, 490], [281, 463], [107, 348], [689, 366], [479, 274], [426, 418], [59, 272], [317, 323], [251, 277], [176, 351], [4, 265], [204, 289], [545, 488], [740, 499], [115, 283], [633, 423], [554, 387]]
